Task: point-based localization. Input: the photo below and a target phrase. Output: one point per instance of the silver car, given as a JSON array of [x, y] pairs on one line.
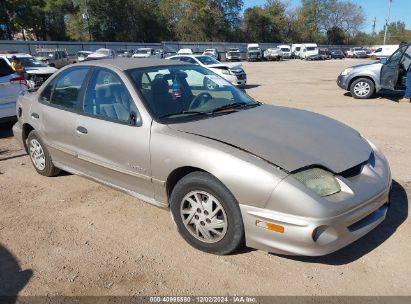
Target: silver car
[[232, 171]]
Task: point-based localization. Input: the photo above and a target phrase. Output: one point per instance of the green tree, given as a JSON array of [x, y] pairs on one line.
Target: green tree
[[335, 35]]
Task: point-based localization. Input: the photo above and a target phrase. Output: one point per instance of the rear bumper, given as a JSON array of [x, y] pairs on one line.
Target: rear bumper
[[18, 134], [313, 237]]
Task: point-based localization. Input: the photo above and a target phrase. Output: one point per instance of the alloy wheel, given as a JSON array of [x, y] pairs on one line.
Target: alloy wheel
[[362, 89], [37, 155], [204, 216]]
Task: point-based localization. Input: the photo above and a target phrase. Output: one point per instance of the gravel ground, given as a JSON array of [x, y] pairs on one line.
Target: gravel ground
[[70, 236]]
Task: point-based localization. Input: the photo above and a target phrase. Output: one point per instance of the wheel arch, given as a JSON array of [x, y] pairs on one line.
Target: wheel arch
[[362, 76], [177, 174]]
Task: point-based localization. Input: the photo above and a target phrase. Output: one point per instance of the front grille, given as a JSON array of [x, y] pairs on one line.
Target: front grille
[[369, 219], [38, 79]]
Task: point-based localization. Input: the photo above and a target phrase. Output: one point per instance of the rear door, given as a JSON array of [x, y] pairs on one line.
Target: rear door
[[390, 71], [57, 110], [112, 140]]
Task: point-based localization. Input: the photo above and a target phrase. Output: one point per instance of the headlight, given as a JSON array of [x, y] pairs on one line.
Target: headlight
[[227, 72], [346, 72], [318, 180]]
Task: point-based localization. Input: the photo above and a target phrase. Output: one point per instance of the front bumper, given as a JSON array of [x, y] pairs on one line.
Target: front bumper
[[298, 236], [343, 82]]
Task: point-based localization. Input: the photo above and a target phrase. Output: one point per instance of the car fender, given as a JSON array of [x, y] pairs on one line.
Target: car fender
[[249, 178]]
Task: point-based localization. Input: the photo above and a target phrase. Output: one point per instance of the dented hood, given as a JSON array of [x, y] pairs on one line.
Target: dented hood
[[288, 138]]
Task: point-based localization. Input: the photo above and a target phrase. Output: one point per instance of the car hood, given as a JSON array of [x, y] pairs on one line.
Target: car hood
[[41, 70], [374, 65], [289, 138]]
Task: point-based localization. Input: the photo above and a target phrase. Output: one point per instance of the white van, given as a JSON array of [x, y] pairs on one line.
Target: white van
[[384, 51], [295, 50], [308, 50]]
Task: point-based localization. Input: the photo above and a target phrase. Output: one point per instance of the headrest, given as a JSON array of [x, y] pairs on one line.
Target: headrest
[[159, 86], [102, 91]]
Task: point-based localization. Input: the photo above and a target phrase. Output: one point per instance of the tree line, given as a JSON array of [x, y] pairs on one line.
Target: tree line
[[320, 21]]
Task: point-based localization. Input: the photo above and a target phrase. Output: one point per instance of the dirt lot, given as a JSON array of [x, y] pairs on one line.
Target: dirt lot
[[70, 236]]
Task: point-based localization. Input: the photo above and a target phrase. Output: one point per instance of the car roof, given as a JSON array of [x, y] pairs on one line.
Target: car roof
[[125, 64]]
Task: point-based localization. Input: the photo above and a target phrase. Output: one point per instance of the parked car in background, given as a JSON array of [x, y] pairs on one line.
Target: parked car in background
[[11, 85], [308, 50], [337, 54], [254, 52], [158, 53], [211, 52], [36, 72], [286, 50], [82, 55], [143, 53], [185, 52], [295, 50], [273, 54], [356, 52], [234, 73], [125, 53], [169, 54], [233, 54], [231, 170], [364, 80], [324, 54], [57, 58], [384, 51], [101, 54]]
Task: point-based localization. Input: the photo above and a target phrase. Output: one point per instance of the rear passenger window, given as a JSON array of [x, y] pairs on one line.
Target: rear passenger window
[[107, 97], [66, 91]]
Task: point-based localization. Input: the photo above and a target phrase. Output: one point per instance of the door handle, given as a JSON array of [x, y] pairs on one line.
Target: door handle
[[35, 116], [81, 130]]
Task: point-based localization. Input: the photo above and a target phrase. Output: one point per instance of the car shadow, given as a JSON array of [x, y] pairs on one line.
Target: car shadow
[[6, 130], [392, 96], [12, 278], [397, 214], [250, 86]]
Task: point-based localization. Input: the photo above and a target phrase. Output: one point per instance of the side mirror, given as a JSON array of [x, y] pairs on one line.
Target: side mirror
[[134, 119], [383, 60]]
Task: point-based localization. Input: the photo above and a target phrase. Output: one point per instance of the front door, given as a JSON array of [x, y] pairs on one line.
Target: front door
[[390, 71], [112, 141]]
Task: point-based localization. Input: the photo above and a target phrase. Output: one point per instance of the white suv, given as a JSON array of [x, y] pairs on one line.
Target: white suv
[[11, 85]]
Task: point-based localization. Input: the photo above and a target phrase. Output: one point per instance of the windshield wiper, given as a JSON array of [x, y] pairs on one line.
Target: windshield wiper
[[236, 105], [186, 112]]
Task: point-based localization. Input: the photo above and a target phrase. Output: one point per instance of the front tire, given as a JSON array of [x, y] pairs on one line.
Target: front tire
[[207, 215], [362, 88], [40, 156]]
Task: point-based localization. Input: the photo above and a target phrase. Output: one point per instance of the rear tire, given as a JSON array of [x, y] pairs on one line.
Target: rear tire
[[362, 88], [207, 215], [40, 156]]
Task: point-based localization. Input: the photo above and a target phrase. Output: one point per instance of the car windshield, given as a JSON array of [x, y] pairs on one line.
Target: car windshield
[[45, 54], [183, 93], [285, 49], [207, 60], [253, 49], [311, 48], [30, 62], [234, 50]]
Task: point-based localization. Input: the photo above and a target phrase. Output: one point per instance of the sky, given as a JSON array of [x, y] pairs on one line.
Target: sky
[[400, 11]]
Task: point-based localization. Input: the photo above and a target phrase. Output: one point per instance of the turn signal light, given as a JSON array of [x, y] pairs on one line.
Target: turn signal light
[[269, 226]]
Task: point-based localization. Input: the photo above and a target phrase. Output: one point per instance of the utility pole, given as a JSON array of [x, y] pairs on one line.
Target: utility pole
[[387, 21], [373, 25], [87, 17]]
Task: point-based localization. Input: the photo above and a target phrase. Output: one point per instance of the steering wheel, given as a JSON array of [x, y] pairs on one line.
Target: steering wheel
[[200, 100]]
